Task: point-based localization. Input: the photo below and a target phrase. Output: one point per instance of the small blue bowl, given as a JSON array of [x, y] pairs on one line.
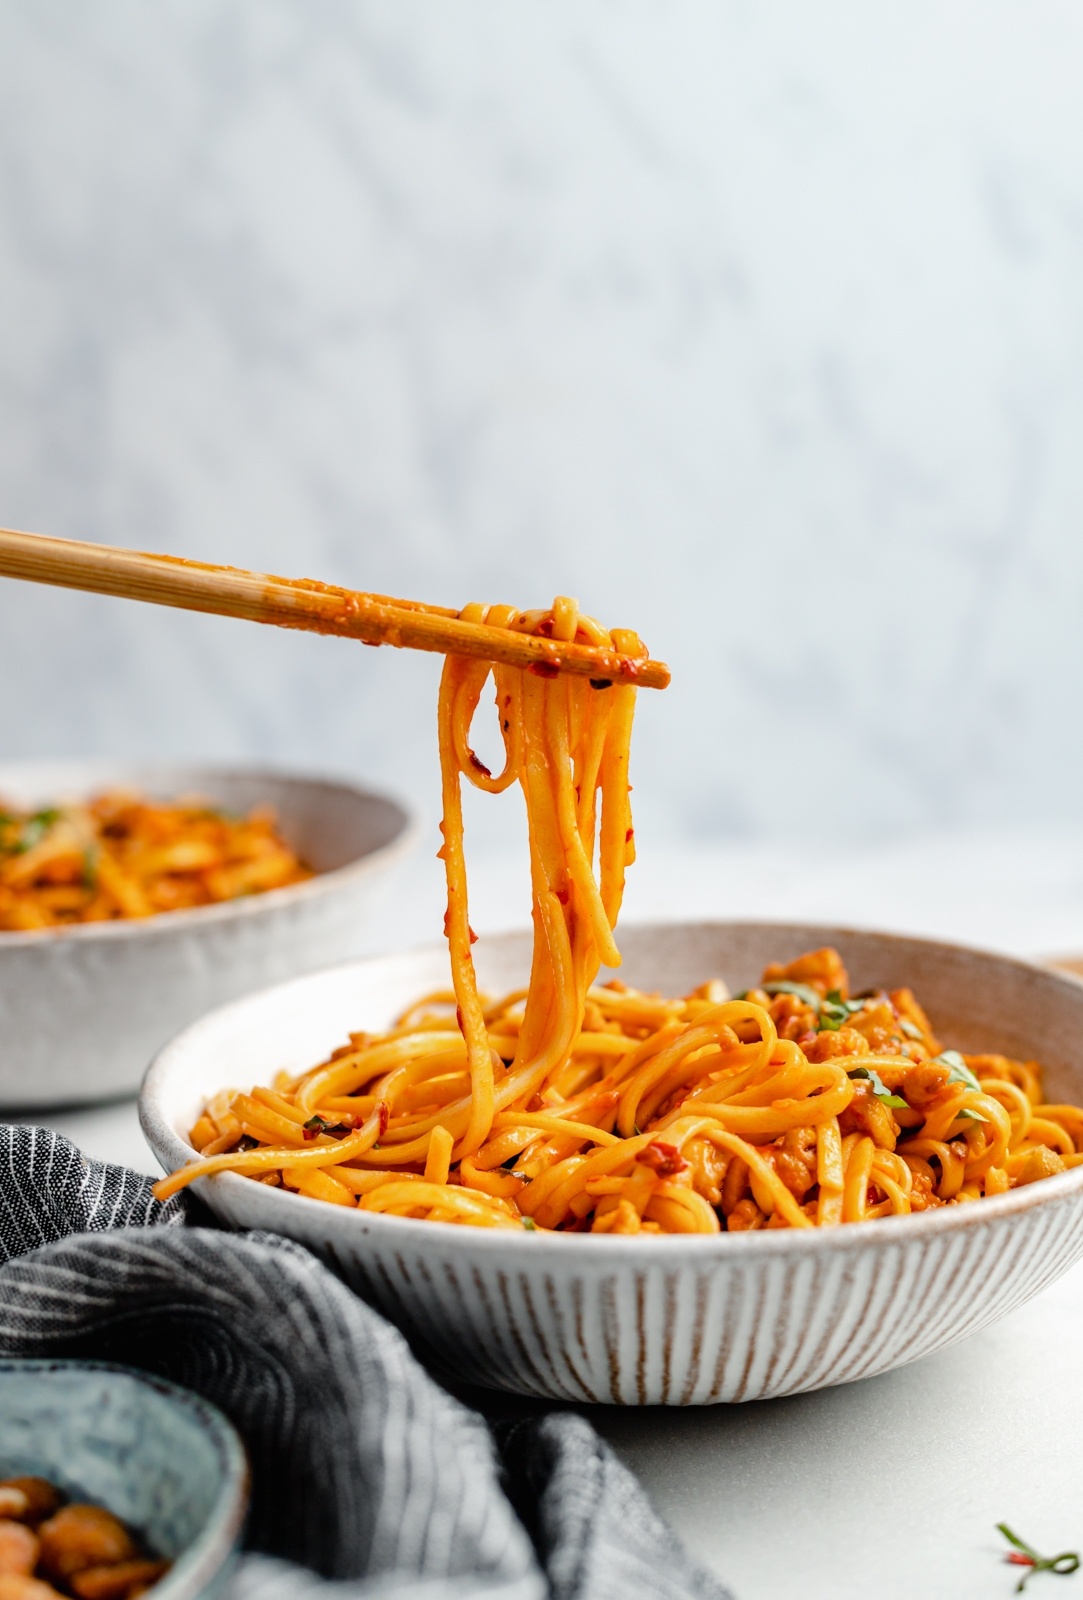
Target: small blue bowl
[[160, 1458]]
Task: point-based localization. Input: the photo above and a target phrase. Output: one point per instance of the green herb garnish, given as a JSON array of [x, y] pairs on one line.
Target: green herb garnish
[[835, 1012], [90, 866], [317, 1125], [35, 828], [1023, 1556], [530, 1225], [801, 991], [879, 1089], [960, 1072]]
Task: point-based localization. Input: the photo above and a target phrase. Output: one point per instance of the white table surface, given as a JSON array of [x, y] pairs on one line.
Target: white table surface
[[890, 1487]]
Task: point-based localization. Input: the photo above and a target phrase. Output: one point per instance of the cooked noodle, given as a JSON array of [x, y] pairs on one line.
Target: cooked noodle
[[120, 856], [575, 1106]]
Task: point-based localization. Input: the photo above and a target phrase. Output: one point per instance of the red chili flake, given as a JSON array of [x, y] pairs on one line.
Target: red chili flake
[[385, 1116], [665, 1159], [479, 766], [544, 629], [309, 1133], [629, 836], [562, 896], [473, 935], [447, 924], [459, 1020], [543, 669]]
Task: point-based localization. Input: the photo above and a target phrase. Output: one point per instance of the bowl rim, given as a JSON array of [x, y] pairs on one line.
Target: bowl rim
[[172, 1151], [193, 1570], [409, 828]]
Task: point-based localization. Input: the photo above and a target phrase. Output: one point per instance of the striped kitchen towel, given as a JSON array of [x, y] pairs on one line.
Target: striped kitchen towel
[[368, 1478]]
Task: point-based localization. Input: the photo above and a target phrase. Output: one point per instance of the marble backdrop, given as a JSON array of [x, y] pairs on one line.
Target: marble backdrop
[[759, 327]]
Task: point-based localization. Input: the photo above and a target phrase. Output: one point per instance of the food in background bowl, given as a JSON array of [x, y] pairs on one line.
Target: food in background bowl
[[51, 1545], [83, 1007], [115, 1483], [120, 855]]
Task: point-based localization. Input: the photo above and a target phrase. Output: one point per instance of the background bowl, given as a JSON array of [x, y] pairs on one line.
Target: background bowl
[[157, 1456], [83, 1009], [661, 1320]]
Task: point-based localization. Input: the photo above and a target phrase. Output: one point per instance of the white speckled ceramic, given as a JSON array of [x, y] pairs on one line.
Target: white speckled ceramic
[[160, 1458], [83, 1009], [678, 1320]]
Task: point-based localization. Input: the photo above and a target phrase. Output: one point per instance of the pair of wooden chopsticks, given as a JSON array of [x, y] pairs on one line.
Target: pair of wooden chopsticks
[[303, 603]]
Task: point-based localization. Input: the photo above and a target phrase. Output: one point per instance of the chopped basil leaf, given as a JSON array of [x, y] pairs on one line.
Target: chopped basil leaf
[[530, 1225], [835, 1012], [879, 1089], [970, 1116], [960, 1072], [835, 998], [801, 991]]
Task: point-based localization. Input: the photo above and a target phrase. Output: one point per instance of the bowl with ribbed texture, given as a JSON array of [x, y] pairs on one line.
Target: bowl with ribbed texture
[[678, 1319]]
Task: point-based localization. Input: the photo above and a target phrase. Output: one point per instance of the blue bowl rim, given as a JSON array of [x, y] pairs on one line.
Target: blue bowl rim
[[192, 1571]]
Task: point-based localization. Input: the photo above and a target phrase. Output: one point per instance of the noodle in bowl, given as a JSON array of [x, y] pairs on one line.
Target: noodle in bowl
[[660, 1319]]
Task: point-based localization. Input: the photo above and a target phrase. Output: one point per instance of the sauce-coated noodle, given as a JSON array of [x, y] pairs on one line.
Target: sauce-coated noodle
[[582, 1107]]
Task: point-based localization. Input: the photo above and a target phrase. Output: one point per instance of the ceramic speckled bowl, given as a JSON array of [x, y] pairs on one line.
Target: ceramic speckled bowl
[[163, 1460], [679, 1320], [83, 1009]]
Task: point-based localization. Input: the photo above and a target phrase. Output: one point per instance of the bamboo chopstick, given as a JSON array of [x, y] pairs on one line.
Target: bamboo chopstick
[[303, 603]]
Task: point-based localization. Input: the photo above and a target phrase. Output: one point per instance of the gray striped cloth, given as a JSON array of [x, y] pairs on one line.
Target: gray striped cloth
[[368, 1479]]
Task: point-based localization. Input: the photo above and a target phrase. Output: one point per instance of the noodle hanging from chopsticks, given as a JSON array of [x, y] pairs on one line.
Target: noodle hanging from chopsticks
[[575, 1106]]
